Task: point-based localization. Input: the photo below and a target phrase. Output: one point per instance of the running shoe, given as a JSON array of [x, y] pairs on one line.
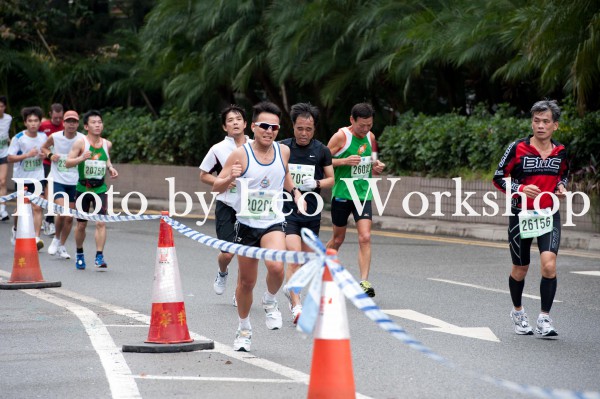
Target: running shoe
[[220, 283], [13, 237], [39, 243], [521, 322], [273, 315], [243, 340], [367, 288], [53, 248], [62, 252], [296, 312], [80, 262], [544, 326], [234, 300], [4, 215], [49, 228], [99, 262]]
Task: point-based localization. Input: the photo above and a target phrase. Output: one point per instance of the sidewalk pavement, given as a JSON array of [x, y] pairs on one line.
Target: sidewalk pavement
[[571, 238]]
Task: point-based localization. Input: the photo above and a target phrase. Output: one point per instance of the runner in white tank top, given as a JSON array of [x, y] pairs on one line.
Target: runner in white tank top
[[266, 162], [64, 180]]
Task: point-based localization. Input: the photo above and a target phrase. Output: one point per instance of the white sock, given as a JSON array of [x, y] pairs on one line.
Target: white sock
[[56, 240], [268, 297], [2, 207], [245, 324], [519, 311]]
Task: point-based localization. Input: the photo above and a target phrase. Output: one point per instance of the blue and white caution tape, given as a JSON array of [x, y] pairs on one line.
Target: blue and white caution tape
[[243, 250], [353, 291], [86, 216], [9, 197]]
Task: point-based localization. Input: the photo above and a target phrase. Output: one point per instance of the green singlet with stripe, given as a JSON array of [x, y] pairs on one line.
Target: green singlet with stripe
[[93, 168], [360, 147]]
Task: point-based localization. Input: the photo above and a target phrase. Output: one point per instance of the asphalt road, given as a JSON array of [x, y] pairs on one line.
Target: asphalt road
[[65, 342]]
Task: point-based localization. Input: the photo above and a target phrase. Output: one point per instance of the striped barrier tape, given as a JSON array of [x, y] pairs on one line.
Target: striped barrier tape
[[86, 216], [353, 291], [238, 249], [9, 197]]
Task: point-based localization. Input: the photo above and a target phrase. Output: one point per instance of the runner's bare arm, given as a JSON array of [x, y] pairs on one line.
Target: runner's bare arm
[[328, 180], [109, 166], [234, 166], [77, 155], [46, 149], [336, 143]]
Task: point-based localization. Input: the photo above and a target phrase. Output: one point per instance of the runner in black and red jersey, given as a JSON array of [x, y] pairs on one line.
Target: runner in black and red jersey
[[537, 166]]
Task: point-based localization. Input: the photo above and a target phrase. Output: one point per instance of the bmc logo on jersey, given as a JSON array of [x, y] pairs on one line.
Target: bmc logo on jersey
[[362, 149], [537, 163]]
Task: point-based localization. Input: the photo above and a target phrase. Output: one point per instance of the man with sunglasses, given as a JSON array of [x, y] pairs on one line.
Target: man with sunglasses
[[262, 169], [352, 149], [233, 121], [311, 170]]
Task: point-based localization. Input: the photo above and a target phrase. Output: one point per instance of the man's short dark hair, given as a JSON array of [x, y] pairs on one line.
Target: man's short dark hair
[[236, 109], [37, 111], [3, 100], [362, 110], [56, 107], [265, 106], [306, 110], [91, 112]]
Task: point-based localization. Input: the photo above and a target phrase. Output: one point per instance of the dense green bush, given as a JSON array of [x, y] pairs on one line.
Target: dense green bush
[[176, 137], [450, 145]]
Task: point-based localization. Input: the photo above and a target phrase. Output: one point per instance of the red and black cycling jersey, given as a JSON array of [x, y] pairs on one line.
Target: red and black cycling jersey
[[524, 165]]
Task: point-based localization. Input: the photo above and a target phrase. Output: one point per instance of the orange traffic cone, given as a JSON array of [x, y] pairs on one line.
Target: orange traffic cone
[[168, 323], [26, 272], [331, 373]]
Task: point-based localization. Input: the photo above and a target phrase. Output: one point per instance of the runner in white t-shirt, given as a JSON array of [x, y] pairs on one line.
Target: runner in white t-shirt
[[5, 121], [25, 152], [233, 120]]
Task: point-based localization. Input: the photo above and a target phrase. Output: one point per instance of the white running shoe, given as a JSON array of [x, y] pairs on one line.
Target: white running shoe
[[53, 248], [544, 326], [50, 229], [521, 322], [234, 300], [296, 312], [13, 237], [4, 215], [220, 283], [62, 252], [273, 315], [243, 340]]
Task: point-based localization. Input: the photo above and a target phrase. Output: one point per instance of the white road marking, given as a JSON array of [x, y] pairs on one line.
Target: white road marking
[[120, 380], [293, 375], [479, 287], [589, 273], [126, 325], [483, 333], [217, 379]]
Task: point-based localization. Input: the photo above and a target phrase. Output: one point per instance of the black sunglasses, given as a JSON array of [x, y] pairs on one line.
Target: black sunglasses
[[267, 126]]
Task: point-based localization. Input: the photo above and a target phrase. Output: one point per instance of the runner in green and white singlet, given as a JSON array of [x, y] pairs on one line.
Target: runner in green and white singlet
[[351, 148]]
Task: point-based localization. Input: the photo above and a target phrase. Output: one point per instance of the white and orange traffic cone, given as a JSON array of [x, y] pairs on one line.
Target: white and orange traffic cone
[[168, 323], [331, 374], [26, 272]]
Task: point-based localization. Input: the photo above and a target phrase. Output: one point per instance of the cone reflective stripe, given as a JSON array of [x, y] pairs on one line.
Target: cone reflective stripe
[[26, 272], [168, 320], [331, 374]]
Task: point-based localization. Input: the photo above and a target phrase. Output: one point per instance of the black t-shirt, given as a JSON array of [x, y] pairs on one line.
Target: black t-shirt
[[317, 154]]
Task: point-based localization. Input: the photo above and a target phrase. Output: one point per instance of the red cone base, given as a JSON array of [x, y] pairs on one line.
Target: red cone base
[[168, 324]]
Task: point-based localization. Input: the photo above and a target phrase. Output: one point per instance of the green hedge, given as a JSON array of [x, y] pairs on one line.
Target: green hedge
[[176, 137], [452, 145]]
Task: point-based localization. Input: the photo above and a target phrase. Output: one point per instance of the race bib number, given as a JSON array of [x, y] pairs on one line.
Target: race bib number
[[535, 224], [94, 169], [3, 143], [363, 169], [61, 164], [31, 164], [259, 204], [298, 172]]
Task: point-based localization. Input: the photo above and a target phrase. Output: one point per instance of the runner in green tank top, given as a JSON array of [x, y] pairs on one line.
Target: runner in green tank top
[[91, 156], [351, 148]]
